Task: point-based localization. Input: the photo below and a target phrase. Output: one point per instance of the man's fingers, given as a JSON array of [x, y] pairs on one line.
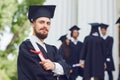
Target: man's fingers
[[47, 64]]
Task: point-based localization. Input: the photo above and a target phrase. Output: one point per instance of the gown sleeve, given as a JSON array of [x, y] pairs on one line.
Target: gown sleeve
[[62, 62], [84, 50]]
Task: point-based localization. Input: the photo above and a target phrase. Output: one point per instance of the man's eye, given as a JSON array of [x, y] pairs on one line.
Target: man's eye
[[48, 23]]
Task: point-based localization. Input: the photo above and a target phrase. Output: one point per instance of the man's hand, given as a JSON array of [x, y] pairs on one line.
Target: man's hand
[[71, 71], [81, 63], [47, 64]]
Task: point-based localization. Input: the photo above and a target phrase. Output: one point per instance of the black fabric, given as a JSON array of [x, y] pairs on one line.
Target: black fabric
[[75, 52], [28, 62], [93, 54], [108, 45], [105, 26], [63, 38], [74, 59], [118, 21], [110, 75], [36, 11], [74, 28], [94, 28]]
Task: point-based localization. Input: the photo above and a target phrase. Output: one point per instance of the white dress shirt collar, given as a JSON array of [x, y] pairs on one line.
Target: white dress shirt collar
[[74, 41], [39, 42], [95, 34], [104, 37]]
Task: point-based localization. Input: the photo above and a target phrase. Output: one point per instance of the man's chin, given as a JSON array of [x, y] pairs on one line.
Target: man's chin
[[42, 35]]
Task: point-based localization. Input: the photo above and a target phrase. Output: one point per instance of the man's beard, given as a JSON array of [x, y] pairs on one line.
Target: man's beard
[[40, 35]]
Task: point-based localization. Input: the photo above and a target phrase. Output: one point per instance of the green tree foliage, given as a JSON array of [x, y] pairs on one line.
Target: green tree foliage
[[13, 15]]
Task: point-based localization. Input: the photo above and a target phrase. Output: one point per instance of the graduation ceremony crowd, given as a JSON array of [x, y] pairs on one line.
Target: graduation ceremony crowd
[[38, 60]]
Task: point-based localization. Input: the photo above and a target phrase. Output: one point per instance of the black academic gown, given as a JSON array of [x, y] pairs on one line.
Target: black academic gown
[[93, 54], [28, 62], [108, 44], [75, 52], [74, 59]]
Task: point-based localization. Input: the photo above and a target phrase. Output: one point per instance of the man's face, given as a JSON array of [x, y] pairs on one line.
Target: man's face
[[75, 34], [41, 27], [103, 31]]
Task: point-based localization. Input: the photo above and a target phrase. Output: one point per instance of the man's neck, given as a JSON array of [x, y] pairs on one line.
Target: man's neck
[[41, 40], [105, 36], [75, 38]]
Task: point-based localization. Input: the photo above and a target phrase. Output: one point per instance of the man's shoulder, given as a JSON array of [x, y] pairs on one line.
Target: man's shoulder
[[93, 38], [25, 42], [80, 42], [110, 37], [51, 46]]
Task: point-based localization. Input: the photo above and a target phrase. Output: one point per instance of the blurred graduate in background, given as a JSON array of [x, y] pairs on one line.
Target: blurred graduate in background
[[108, 47], [75, 47], [92, 55]]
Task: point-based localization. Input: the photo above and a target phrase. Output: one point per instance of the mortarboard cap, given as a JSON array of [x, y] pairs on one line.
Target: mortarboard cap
[[105, 26], [63, 38], [94, 24], [74, 28], [36, 11], [118, 21], [94, 27]]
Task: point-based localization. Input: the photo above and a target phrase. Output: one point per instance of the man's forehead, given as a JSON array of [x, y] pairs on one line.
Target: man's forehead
[[44, 18]]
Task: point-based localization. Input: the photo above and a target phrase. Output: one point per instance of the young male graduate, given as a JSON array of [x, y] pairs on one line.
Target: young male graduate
[[108, 45], [38, 60], [92, 55], [75, 47], [65, 51], [118, 22]]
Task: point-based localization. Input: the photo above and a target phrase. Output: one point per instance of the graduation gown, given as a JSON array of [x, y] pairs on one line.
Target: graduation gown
[[74, 58], [93, 55], [28, 62], [75, 52], [108, 44]]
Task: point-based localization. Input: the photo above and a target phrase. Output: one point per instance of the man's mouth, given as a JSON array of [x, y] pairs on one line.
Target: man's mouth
[[44, 29]]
